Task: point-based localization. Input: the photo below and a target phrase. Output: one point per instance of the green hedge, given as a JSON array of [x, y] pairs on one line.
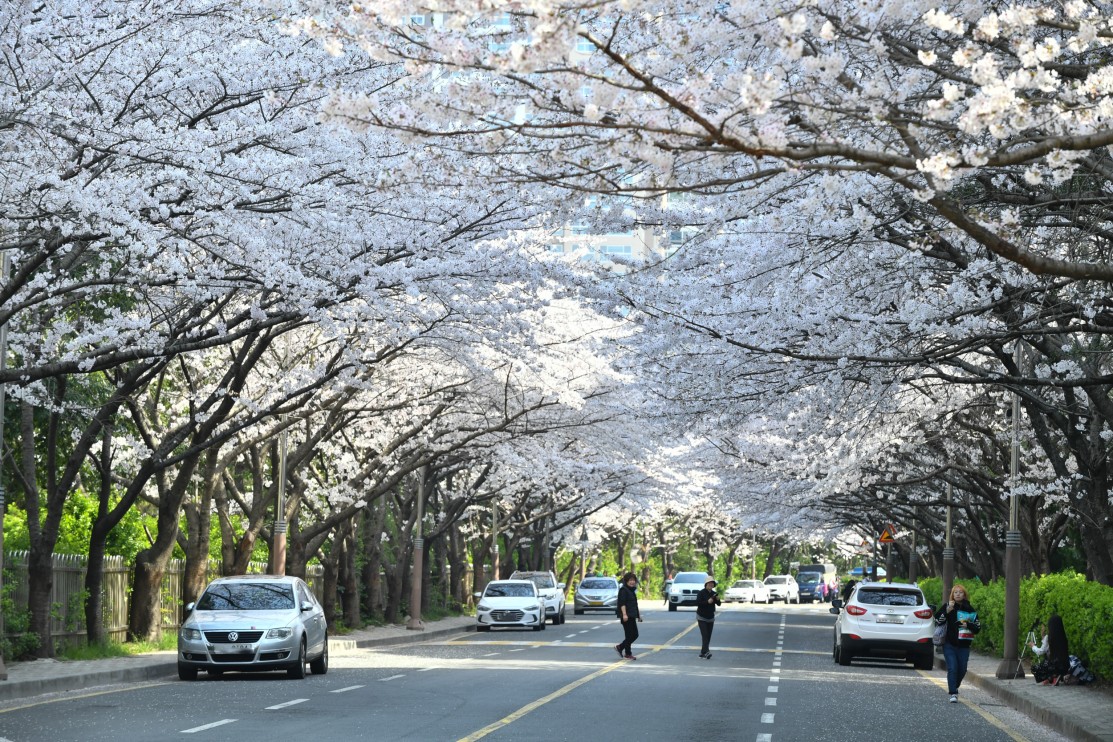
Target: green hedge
[[1086, 608]]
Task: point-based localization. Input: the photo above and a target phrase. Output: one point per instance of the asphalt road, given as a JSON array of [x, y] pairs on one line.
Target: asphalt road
[[771, 677]]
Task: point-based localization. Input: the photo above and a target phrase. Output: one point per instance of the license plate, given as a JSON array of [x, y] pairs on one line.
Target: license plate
[[231, 648], [890, 619], [596, 602]]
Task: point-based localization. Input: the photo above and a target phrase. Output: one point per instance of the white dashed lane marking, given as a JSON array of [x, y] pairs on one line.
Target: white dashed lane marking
[[294, 702], [345, 690], [215, 724]]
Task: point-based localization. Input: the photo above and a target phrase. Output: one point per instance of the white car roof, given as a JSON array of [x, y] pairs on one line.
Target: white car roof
[[902, 585]]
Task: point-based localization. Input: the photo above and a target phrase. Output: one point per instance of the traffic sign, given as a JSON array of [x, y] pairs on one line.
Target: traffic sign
[[887, 535]]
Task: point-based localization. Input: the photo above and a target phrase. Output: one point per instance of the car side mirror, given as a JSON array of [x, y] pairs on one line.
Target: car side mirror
[[306, 607], [561, 585], [477, 596], [189, 608], [836, 604]]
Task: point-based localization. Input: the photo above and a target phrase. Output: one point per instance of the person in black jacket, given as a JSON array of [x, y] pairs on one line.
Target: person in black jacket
[[706, 601], [629, 614], [962, 624]]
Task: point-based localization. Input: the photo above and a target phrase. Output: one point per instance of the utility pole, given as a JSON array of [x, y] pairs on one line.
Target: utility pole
[[418, 571], [1010, 667], [4, 265], [278, 558]]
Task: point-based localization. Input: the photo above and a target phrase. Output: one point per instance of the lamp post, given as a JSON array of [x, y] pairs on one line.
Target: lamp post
[[948, 551], [584, 542], [415, 624], [1010, 667]]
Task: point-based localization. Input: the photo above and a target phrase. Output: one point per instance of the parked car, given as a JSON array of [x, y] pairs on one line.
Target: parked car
[[884, 620], [747, 591], [812, 587], [510, 603], [253, 622], [549, 589], [596, 594], [783, 587], [684, 588]]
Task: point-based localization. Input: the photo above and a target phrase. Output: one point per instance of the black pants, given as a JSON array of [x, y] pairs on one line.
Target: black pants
[[705, 629], [630, 628]]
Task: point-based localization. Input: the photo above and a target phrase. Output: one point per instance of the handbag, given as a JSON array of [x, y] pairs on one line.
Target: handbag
[[939, 635]]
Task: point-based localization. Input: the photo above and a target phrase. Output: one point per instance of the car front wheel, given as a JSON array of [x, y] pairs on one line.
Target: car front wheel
[[297, 670], [319, 666], [186, 672], [672, 606]]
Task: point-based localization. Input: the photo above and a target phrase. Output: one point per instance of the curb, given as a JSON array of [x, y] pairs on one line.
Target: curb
[[1050, 718], [164, 669], [82, 681]]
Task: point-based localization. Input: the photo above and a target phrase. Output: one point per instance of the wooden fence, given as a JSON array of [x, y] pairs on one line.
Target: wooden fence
[[68, 592]]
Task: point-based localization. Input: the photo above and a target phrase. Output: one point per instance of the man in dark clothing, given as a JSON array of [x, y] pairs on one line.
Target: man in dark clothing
[[629, 614], [706, 601]]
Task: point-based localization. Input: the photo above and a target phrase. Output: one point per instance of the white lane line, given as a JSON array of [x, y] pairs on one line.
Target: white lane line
[[294, 702], [392, 677], [345, 690], [491, 654], [772, 689], [519, 649], [767, 718], [770, 701], [774, 680], [765, 738], [222, 722], [427, 669]]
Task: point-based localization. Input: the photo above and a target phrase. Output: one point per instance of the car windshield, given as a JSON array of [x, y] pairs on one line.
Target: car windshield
[[775, 580], [808, 578], [542, 581], [253, 596], [742, 583], [697, 577], [510, 591], [889, 596], [599, 585]]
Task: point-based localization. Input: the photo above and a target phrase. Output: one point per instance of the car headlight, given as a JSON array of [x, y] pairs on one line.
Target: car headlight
[[483, 606], [534, 607], [279, 633], [191, 635]]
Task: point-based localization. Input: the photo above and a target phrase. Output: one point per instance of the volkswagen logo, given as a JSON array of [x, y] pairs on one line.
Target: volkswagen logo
[[233, 636]]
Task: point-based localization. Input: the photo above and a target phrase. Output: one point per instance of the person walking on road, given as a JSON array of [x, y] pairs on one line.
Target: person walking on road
[[706, 601], [962, 624], [629, 614]]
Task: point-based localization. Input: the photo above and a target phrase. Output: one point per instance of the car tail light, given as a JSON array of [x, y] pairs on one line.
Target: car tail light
[[855, 610], [923, 613], [923, 641]]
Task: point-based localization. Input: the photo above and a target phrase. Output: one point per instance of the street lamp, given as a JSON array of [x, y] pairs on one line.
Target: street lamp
[[1010, 667], [584, 542]]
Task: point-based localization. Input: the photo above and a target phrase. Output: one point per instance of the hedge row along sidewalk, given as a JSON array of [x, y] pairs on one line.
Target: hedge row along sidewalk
[[1085, 606]]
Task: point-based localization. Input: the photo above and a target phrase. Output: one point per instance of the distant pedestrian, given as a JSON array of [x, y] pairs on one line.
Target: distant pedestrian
[[962, 624], [706, 601], [629, 615], [1053, 652], [847, 589]]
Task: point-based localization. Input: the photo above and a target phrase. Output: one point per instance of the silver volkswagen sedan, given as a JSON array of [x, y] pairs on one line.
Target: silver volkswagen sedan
[[252, 623]]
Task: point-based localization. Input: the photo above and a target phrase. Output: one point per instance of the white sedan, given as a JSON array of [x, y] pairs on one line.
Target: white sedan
[[747, 591], [510, 603]]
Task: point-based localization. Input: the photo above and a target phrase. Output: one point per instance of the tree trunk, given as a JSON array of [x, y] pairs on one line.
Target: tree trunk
[[372, 553], [351, 579]]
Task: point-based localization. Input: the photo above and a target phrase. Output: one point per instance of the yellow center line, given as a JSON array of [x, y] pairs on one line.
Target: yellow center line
[[511, 718], [80, 696], [978, 709]]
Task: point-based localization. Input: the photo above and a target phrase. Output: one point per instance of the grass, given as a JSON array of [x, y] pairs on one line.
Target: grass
[[115, 649]]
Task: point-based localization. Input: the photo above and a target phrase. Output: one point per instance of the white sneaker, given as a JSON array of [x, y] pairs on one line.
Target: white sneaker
[[954, 698]]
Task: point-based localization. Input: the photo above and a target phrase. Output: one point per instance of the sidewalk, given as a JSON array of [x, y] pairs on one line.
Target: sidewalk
[[54, 676], [1076, 711]]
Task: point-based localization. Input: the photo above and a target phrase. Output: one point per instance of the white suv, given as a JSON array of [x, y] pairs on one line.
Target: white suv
[[783, 587], [884, 619], [549, 589]]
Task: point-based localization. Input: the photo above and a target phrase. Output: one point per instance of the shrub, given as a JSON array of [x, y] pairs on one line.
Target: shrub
[[1085, 606]]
